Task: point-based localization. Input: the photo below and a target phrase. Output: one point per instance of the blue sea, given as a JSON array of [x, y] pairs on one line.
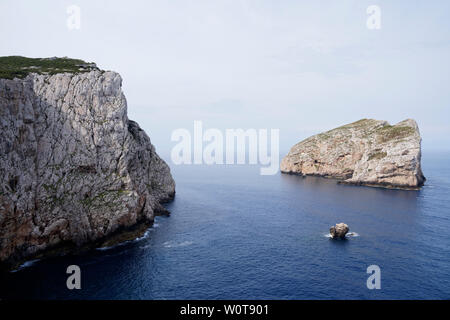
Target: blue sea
[[234, 234]]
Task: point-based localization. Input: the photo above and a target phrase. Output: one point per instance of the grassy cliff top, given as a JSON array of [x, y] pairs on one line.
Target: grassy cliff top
[[19, 67], [365, 128]]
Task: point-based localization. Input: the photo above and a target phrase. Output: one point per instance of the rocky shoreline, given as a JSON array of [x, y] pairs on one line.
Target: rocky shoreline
[[65, 248]]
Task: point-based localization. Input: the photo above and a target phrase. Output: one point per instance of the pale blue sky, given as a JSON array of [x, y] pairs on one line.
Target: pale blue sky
[[300, 66]]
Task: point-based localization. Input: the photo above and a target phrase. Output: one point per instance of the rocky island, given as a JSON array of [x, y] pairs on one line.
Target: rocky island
[[74, 170], [339, 231], [366, 152]]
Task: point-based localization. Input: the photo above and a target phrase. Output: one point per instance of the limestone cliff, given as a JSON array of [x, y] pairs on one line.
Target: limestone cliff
[[74, 169], [366, 152]]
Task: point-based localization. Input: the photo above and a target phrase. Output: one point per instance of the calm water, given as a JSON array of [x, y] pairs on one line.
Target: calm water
[[234, 234]]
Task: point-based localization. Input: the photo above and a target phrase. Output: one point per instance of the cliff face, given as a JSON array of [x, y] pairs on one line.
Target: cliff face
[[73, 168], [366, 152]]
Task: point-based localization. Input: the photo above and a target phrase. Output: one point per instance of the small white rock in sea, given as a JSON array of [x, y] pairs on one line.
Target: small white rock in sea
[[339, 231]]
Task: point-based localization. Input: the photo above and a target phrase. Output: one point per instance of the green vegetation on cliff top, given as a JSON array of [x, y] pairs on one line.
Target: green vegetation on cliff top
[[384, 131], [389, 132], [19, 67], [377, 155]]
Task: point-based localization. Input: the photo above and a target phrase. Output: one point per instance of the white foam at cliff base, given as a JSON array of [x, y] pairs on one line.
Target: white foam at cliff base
[[352, 234], [112, 247], [348, 235], [26, 264], [144, 236]]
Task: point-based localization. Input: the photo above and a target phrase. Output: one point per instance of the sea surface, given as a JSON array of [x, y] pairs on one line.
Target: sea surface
[[234, 234]]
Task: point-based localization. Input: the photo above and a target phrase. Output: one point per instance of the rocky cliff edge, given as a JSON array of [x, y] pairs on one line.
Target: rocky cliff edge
[[74, 169], [366, 152]]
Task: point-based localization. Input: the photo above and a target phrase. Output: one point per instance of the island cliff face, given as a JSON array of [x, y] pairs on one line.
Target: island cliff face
[[367, 152], [74, 169]]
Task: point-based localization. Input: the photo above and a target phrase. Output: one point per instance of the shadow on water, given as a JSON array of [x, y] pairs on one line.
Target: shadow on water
[[356, 196], [46, 278], [320, 184]]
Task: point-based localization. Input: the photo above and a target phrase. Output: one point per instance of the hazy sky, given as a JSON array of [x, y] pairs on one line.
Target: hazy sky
[[300, 66]]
